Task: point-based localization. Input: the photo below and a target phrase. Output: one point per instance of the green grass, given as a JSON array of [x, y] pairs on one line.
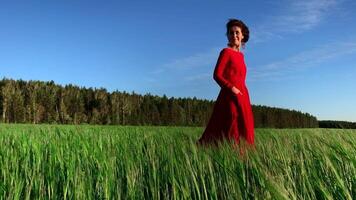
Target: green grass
[[113, 162]]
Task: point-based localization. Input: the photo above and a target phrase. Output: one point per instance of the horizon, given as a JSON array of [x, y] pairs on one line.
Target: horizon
[[300, 56], [161, 96]]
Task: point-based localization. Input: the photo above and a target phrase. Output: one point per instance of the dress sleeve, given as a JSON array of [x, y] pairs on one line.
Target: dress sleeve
[[219, 70]]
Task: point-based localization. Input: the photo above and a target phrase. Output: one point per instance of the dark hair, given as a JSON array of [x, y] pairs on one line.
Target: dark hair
[[239, 23]]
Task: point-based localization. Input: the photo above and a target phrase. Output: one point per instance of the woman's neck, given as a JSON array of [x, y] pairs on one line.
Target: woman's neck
[[235, 48]]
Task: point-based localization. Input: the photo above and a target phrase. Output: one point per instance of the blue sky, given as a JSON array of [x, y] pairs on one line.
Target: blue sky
[[301, 54]]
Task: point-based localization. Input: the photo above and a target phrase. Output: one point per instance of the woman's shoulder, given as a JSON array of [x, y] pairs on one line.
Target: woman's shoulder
[[225, 51], [228, 50]]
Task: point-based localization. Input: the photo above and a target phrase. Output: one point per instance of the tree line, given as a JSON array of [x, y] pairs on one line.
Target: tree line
[[337, 124], [46, 102]]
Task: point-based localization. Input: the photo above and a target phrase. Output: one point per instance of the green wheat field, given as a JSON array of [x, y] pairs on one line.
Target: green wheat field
[[136, 162]]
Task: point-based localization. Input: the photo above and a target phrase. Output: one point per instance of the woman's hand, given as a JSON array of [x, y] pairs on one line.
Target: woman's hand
[[236, 91]]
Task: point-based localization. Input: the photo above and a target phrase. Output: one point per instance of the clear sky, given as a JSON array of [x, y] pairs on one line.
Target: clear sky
[[301, 54]]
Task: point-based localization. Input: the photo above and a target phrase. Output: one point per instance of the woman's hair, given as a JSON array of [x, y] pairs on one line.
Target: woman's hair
[[239, 23]]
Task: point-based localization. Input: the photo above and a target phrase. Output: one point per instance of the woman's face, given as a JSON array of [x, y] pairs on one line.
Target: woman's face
[[235, 36]]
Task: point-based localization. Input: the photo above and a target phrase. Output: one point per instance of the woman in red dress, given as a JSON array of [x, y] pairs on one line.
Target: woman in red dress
[[232, 116]]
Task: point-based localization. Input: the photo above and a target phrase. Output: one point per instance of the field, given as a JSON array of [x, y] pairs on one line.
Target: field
[[128, 162]]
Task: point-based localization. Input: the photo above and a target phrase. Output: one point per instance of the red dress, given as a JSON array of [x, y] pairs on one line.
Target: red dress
[[232, 115]]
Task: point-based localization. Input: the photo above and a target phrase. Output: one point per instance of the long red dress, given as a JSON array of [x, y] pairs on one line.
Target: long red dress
[[232, 115]]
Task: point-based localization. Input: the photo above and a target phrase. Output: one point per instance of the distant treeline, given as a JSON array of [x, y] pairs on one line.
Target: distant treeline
[[46, 102], [337, 124]]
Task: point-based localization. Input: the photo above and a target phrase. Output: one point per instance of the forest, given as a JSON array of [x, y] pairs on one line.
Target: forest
[[337, 124], [40, 102]]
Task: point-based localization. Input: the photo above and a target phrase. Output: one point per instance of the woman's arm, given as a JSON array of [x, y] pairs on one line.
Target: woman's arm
[[219, 71], [220, 68]]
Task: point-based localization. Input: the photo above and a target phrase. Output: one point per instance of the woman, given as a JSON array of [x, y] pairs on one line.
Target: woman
[[232, 115]]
